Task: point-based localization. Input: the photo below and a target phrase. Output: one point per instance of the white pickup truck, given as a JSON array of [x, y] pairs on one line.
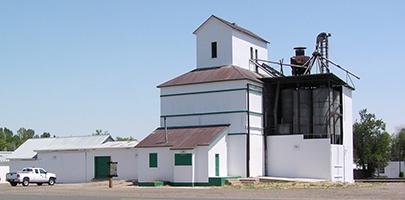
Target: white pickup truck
[[31, 175]]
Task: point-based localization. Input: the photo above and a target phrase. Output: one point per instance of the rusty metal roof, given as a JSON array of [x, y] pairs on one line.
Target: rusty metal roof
[[235, 27], [213, 74], [183, 137]]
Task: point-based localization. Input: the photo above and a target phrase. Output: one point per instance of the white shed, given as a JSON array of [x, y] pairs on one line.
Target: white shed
[[184, 156], [392, 170], [77, 159]]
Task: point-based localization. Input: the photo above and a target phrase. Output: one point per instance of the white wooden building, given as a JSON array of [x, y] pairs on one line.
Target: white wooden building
[[392, 170], [4, 165], [77, 159], [227, 88]]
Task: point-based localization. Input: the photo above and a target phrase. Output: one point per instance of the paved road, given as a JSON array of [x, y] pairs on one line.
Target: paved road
[[100, 192]]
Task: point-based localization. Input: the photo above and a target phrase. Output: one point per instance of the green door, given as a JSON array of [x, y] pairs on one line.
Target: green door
[[101, 167], [216, 164]]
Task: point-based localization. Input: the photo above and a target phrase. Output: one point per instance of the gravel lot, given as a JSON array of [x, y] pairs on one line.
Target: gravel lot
[[126, 191]]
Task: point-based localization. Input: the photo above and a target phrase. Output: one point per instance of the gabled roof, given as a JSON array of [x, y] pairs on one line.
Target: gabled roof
[[233, 26], [29, 148], [183, 137], [213, 74]]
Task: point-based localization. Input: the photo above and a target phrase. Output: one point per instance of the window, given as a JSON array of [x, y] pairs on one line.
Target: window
[[153, 160], [214, 49], [183, 159], [36, 171], [42, 171], [256, 56], [381, 170], [251, 53], [27, 170]]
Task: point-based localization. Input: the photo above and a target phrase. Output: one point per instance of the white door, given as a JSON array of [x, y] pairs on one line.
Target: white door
[[43, 175], [36, 177]]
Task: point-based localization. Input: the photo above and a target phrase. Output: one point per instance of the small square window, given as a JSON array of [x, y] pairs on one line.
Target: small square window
[[153, 160]]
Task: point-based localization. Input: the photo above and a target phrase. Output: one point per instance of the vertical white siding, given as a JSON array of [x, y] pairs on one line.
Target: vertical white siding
[[236, 155], [348, 134], [69, 166], [256, 163], [214, 31], [393, 169], [164, 171], [241, 44], [184, 174], [126, 158], [201, 164], [4, 169], [218, 147], [337, 163], [292, 156]]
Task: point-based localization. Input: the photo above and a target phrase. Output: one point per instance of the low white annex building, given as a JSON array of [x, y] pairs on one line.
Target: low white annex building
[[77, 159], [229, 118], [393, 169], [4, 165]]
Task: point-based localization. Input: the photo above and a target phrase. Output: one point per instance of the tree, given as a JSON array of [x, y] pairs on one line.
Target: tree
[[45, 135], [398, 145], [7, 140], [371, 142], [25, 134], [101, 132]]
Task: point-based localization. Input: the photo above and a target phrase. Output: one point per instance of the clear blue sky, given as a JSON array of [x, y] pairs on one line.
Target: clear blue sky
[[70, 67]]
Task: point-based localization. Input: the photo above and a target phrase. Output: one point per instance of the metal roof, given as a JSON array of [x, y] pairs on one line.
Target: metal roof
[[117, 145], [4, 155], [307, 80], [233, 26], [28, 149], [213, 74], [183, 137]]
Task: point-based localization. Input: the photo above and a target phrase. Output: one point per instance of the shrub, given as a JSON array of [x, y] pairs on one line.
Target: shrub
[[401, 174]]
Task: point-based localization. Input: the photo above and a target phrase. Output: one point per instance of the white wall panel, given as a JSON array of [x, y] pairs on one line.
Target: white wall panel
[[218, 147], [348, 134], [241, 44], [4, 169], [164, 171], [292, 156], [236, 155]]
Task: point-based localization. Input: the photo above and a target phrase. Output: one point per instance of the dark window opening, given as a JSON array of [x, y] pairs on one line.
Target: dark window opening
[[214, 53], [256, 56], [251, 53], [153, 160], [305, 107], [183, 159]]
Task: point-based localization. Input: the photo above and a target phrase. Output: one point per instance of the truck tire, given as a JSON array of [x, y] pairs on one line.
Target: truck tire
[[26, 182], [13, 184], [51, 181]]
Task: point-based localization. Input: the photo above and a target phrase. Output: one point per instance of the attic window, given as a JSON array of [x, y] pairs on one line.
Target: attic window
[[213, 49]]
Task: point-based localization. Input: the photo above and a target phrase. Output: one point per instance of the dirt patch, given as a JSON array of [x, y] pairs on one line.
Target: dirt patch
[[302, 185]]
